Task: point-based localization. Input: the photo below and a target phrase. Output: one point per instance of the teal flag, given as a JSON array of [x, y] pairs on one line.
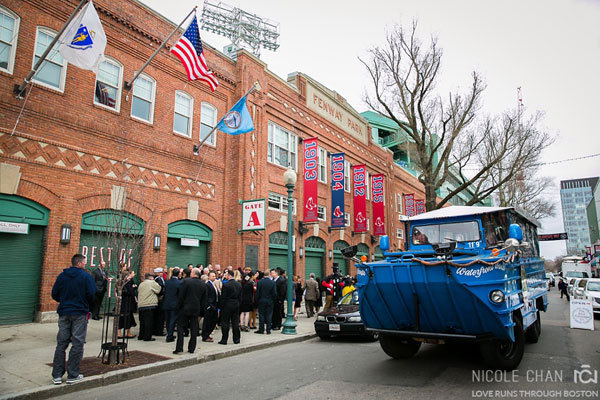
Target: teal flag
[[237, 120]]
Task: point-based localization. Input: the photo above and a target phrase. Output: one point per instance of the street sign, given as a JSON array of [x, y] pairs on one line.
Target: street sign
[[552, 236]]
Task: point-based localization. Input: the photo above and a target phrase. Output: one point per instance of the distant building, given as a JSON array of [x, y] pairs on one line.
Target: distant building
[[388, 134], [575, 195], [593, 217]]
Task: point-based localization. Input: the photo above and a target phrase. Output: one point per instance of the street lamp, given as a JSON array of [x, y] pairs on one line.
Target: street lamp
[[289, 180]]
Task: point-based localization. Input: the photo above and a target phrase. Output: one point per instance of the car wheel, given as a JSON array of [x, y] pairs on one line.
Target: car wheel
[[323, 336], [504, 354], [532, 334], [398, 347]]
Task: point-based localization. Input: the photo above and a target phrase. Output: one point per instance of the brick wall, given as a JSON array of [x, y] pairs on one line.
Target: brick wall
[[71, 152]]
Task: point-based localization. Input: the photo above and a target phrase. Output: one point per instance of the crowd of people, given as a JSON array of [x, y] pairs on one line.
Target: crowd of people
[[183, 302], [195, 301]]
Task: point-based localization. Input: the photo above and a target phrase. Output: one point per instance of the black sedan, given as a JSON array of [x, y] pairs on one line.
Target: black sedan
[[343, 320]]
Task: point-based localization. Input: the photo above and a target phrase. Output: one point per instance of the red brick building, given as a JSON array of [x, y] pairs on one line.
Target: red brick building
[[81, 154]]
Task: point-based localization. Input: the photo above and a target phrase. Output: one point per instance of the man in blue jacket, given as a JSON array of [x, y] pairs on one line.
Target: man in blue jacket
[[74, 290]]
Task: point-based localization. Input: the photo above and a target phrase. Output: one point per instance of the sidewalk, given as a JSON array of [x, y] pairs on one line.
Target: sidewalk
[[25, 351]]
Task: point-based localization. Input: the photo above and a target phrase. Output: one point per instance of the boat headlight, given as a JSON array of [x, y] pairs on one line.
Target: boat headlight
[[496, 296], [354, 319], [320, 318]]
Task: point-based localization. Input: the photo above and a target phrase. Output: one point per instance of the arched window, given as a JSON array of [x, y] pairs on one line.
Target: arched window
[[9, 32]]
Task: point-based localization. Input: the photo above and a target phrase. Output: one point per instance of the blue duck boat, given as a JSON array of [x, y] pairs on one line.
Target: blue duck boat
[[468, 274]]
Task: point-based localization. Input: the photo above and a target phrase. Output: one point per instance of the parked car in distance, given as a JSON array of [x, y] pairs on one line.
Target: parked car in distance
[[550, 277], [590, 290], [343, 320]]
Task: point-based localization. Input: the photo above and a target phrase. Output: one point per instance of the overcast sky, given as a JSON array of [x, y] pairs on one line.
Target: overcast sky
[[550, 48]]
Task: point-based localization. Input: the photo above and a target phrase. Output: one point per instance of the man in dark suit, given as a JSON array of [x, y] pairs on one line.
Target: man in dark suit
[[212, 304], [266, 295], [191, 303], [170, 303], [278, 312], [231, 295], [101, 282]]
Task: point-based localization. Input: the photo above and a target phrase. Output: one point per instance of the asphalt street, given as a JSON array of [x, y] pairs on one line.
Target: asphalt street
[[355, 369]]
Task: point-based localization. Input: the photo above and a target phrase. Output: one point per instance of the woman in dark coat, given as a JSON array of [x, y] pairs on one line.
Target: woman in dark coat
[[247, 302], [128, 306], [298, 292]]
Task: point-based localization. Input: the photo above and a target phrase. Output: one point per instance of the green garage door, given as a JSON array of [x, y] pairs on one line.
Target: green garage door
[[187, 243], [313, 263], [20, 258], [117, 237], [180, 256], [277, 258], [20, 266], [278, 250], [338, 258], [314, 249]]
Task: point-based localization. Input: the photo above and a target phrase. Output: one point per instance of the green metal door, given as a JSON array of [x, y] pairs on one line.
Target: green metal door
[[192, 232], [181, 256], [20, 266], [20, 258], [277, 258], [97, 246], [116, 237], [313, 263]]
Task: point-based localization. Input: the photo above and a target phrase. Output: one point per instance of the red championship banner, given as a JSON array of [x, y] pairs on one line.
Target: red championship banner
[[419, 207], [310, 179], [409, 205], [377, 201], [358, 196]]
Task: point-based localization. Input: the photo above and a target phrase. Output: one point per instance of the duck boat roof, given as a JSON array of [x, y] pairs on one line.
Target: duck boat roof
[[460, 211]]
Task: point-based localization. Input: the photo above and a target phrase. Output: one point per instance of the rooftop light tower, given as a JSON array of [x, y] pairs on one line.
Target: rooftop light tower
[[245, 30]]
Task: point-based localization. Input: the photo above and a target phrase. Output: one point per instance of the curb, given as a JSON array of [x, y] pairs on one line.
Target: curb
[[110, 378]]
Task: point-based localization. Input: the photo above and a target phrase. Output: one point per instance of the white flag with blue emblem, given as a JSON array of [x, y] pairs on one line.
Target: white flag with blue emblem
[[83, 41], [237, 120]]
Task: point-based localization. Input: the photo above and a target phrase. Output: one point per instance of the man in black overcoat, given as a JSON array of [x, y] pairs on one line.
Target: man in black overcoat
[[191, 303], [101, 281], [266, 295], [212, 305], [231, 296]]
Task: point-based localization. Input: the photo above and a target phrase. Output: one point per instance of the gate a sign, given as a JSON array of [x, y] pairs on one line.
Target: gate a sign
[[253, 215]]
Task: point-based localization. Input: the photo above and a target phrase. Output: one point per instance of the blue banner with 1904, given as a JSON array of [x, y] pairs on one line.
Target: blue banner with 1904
[[337, 190]]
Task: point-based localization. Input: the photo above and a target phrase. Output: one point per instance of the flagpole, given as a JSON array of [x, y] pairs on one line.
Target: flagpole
[[255, 86], [18, 89], [129, 84]]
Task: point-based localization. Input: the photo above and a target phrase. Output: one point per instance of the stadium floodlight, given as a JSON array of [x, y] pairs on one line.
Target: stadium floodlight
[[244, 29]]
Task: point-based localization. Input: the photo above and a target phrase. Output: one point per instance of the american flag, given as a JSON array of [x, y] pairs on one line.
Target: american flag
[[189, 51], [103, 96]]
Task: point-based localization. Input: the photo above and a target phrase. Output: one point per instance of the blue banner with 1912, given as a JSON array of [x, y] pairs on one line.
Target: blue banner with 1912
[[337, 190]]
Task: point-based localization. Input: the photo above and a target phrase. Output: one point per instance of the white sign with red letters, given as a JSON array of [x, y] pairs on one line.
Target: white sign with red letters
[[253, 215]]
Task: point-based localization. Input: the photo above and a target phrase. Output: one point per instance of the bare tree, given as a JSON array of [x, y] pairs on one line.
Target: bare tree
[[505, 154], [525, 191], [125, 242], [404, 73]]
